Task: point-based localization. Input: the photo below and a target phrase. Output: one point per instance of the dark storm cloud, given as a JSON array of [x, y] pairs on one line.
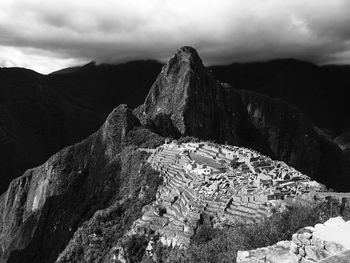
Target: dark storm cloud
[[46, 34]]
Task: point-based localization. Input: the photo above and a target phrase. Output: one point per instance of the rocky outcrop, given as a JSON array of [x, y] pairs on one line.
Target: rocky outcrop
[[322, 241], [327, 243]]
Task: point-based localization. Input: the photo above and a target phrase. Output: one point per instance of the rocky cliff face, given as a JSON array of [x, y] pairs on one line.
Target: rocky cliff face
[[187, 93], [196, 104], [42, 209]]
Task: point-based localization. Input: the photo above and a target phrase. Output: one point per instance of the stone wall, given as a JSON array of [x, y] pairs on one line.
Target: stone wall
[[312, 244], [326, 243]]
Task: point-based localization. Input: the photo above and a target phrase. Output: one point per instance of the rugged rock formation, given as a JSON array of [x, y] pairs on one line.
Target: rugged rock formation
[[194, 100]]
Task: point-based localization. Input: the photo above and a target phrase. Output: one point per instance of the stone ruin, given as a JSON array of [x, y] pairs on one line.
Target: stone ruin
[[321, 241], [227, 184], [326, 243]]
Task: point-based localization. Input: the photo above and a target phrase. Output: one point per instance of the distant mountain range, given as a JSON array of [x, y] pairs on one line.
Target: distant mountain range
[[41, 114]]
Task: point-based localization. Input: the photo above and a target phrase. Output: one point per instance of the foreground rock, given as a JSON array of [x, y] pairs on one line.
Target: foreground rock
[[326, 243], [321, 241]]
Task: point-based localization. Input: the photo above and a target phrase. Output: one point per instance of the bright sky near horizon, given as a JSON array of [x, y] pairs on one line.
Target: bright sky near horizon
[[47, 35]]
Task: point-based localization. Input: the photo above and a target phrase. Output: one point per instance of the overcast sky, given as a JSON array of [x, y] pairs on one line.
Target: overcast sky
[[46, 35]]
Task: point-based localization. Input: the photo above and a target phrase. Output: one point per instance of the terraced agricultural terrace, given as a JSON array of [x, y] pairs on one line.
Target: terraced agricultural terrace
[[228, 184]]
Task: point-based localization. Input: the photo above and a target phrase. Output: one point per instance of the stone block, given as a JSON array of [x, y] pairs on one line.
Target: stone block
[[318, 242], [307, 235], [296, 240], [304, 240], [315, 253], [284, 244], [294, 248], [301, 252], [333, 248], [242, 255]]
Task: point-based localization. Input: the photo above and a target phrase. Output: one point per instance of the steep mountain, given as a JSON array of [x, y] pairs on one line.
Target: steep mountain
[[194, 100], [42, 209], [198, 105], [35, 122]]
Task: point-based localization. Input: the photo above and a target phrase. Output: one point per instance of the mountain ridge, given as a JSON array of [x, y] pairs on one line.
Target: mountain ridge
[[42, 209]]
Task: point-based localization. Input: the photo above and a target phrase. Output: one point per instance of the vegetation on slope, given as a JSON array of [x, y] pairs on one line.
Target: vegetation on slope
[[93, 241]]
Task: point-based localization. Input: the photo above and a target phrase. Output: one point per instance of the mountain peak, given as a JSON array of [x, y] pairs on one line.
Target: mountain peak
[[187, 54], [190, 97], [186, 58]]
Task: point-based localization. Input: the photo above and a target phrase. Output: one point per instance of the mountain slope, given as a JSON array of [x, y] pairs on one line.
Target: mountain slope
[[40, 114], [42, 209], [35, 122], [318, 91]]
